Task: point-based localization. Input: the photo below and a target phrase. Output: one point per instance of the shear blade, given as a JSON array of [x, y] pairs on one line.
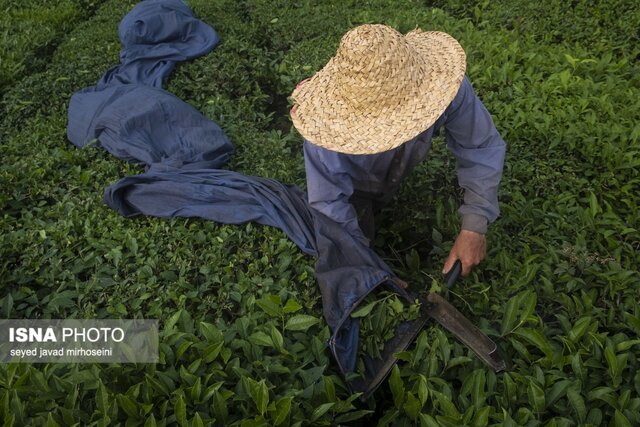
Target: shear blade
[[440, 310], [437, 308]]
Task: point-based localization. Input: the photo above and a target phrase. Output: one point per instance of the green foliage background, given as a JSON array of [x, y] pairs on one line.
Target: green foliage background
[[243, 339]]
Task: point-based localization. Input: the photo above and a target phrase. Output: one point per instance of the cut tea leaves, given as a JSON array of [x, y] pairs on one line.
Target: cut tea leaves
[[380, 315]]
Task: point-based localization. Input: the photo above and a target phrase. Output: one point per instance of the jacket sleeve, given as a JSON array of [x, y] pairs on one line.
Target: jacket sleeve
[[329, 188], [480, 150]]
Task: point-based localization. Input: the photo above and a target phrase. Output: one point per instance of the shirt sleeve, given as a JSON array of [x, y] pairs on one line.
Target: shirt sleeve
[[480, 150], [329, 188]]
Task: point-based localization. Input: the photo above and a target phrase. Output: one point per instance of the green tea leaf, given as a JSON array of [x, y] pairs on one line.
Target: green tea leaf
[[196, 390], [633, 322], [446, 405], [422, 343], [291, 306], [612, 361], [397, 386], [277, 338], [517, 310], [594, 417], [507, 419], [352, 416], [413, 260], [212, 351], [182, 348], [536, 338], [396, 305], [301, 322], [364, 311], [557, 390], [529, 302], [17, 406], [423, 389], [481, 417], [283, 407], [51, 422], [321, 410], [579, 328], [536, 397], [270, 307], [594, 207], [210, 332], [329, 388], [606, 394], [260, 338], [196, 421], [428, 421], [171, 322], [626, 345], [510, 311], [102, 399], [478, 392], [39, 380], [412, 406], [180, 411], [388, 417], [150, 421], [577, 403], [620, 420], [128, 405], [259, 394], [211, 390]]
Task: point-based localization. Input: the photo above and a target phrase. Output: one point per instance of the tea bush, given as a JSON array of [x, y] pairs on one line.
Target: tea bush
[[243, 341], [30, 31]]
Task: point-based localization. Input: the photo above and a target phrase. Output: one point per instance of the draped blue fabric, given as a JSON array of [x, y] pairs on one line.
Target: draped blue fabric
[[133, 118]]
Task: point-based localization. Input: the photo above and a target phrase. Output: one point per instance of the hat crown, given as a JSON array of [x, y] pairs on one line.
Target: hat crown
[[375, 63], [380, 89]]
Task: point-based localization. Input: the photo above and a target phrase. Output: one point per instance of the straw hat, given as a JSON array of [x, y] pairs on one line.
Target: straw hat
[[380, 90]]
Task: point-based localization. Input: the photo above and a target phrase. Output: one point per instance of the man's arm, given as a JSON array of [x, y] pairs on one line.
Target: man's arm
[[480, 150], [329, 188]]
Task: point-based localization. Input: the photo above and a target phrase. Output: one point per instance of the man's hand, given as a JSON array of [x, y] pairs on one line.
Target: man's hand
[[470, 248], [401, 283]]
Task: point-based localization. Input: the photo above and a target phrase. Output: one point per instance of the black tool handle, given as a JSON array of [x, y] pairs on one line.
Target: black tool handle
[[453, 273]]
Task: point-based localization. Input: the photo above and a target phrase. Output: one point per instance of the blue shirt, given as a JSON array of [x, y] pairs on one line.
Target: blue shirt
[[332, 177]]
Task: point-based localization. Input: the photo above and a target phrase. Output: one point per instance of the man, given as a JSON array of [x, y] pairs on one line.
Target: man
[[368, 118]]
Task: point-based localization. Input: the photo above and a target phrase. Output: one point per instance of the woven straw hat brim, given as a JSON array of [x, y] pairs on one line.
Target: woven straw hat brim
[[324, 117]]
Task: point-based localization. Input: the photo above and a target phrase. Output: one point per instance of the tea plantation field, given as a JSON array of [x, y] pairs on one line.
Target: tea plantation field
[[558, 291]]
